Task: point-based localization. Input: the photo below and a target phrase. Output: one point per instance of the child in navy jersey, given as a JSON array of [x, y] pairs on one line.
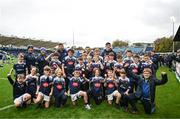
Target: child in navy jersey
[[54, 62], [82, 68], [20, 67], [135, 68], [59, 89], [31, 82], [118, 65], [111, 91], [75, 90], [147, 63], [110, 63], [96, 53], [123, 83], [20, 96], [69, 63], [68, 66], [44, 88], [96, 64], [128, 58], [96, 87]]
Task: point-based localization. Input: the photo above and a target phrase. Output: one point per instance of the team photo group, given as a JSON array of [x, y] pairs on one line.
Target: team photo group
[[121, 80]]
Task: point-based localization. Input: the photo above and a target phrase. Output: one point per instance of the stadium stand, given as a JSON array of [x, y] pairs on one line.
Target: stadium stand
[[148, 49]]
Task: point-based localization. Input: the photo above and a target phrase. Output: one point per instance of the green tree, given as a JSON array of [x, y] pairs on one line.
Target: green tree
[[163, 44], [119, 43]]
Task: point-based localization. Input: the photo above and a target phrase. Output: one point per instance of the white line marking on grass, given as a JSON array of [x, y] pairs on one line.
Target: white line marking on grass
[[6, 107], [3, 78]]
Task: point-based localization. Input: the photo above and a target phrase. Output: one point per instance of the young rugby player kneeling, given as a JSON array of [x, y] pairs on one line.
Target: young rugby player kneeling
[[75, 90], [19, 90], [44, 88]]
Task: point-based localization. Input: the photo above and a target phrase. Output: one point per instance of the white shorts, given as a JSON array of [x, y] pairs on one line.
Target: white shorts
[[75, 96], [19, 99], [45, 97], [110, 96]]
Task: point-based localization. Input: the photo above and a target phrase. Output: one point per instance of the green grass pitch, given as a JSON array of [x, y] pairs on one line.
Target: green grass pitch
[[167, 103]]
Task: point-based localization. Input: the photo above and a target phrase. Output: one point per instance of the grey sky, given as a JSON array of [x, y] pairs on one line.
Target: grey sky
[[94, 22]]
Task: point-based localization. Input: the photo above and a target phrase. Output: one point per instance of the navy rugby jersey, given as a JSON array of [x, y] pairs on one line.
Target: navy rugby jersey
[[110, 64], [96, 84], [45, 84], [54, 64], [110, 86], [20, 68], [59, 86], [31, 82], [75, 85], [123, 84], [18, 89], [69, 64]]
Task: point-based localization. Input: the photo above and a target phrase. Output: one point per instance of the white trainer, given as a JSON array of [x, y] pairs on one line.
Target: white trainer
[[87, 107]]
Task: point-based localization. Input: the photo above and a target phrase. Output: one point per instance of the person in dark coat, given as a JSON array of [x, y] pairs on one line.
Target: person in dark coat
[[146, 90], [108, 49]]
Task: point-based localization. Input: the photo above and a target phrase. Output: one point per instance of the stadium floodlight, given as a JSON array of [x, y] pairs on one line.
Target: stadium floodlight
[[172, 18]]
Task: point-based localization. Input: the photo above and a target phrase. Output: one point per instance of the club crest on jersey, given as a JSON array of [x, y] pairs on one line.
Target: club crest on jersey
[[59, 86], [97, 85], [110, 85], [45, 84], [75, 84], [135, 70], [70, 62]]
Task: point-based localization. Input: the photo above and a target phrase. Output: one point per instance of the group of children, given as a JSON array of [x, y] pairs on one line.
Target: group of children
[[121, 80]]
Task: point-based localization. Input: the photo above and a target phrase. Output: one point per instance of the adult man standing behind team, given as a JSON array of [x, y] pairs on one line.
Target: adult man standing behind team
[[108, 49], [30, 58], [62, 52]]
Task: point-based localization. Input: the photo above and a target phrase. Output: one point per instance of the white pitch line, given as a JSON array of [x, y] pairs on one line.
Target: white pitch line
[[3, 78], [6, 107]]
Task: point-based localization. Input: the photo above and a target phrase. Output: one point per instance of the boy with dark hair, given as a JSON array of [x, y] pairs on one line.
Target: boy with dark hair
[[68, 66], [118, 65], [123, 84], [135, 68], [109, 65], [20, 67], [54, 62], [20, 96], [147, 63], [82, 70], [128, 58]]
